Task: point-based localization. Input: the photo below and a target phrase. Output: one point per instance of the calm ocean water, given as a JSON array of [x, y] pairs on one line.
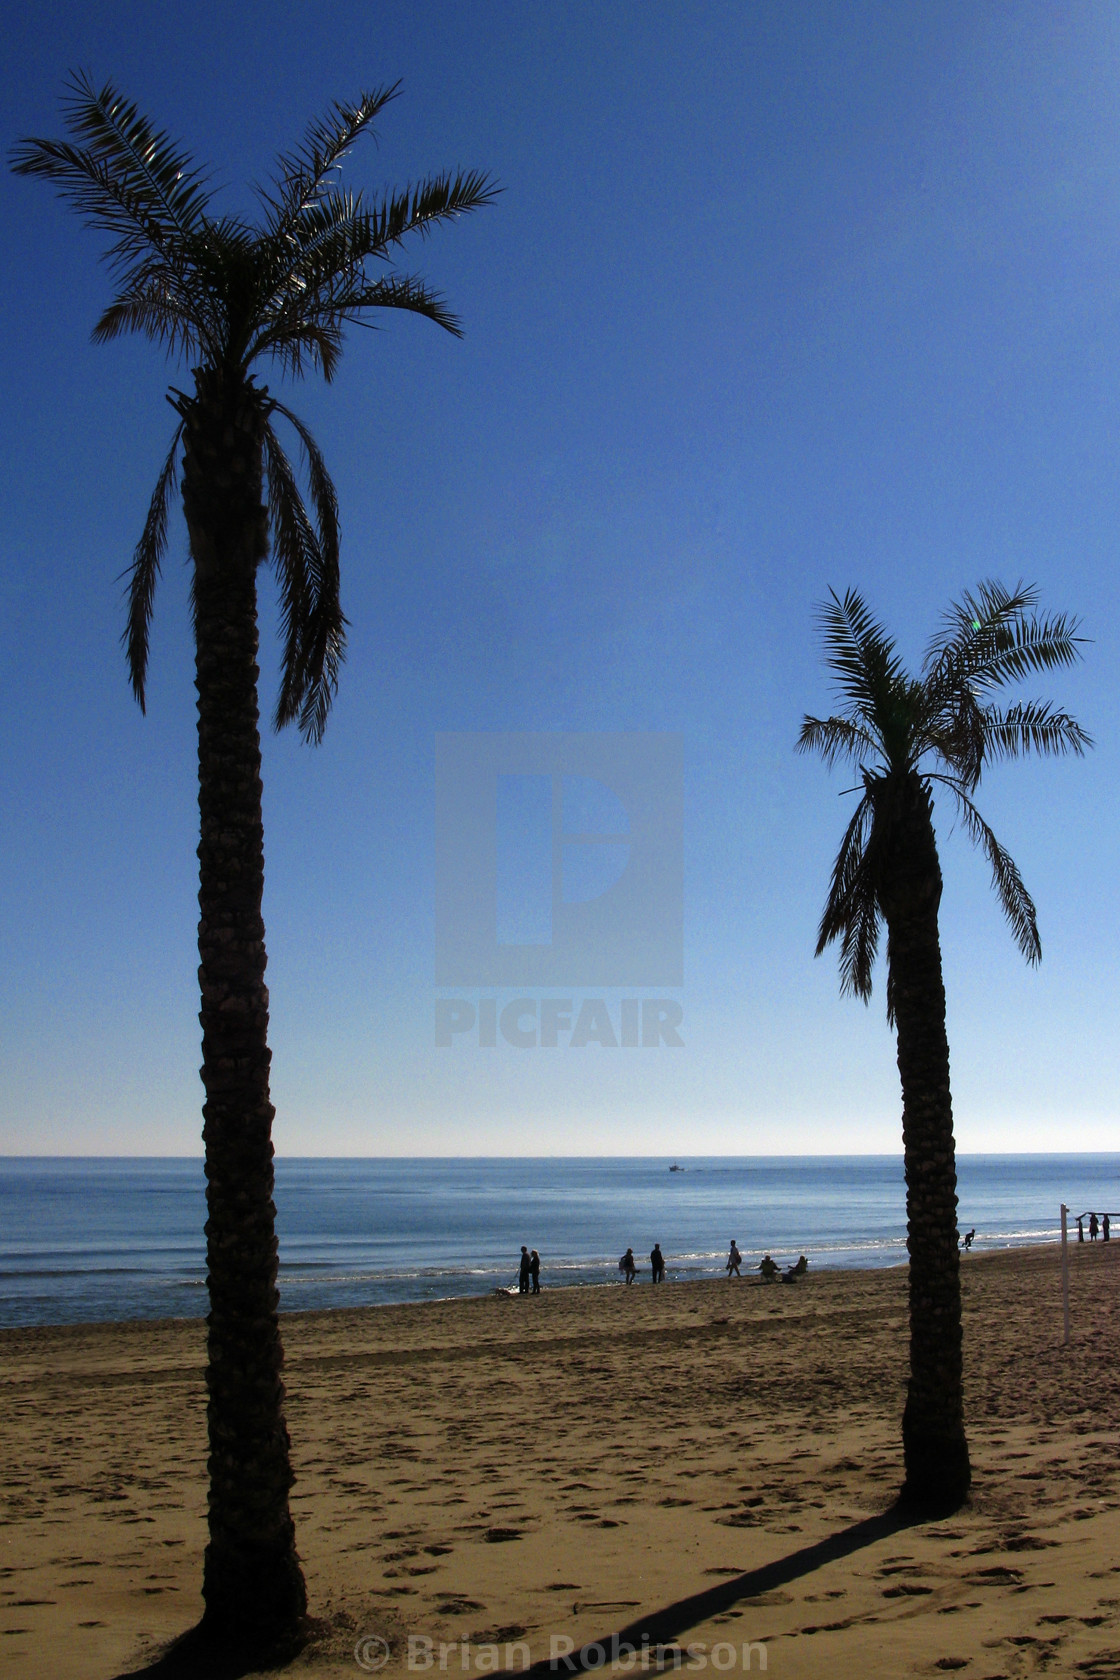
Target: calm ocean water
[[92, 1239]]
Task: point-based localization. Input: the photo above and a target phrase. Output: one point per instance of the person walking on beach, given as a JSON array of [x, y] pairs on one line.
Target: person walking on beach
[[626, 1264], [734, 1260], [535, 1271], [523, 1275], [656, 1264], [968, 1236], [1093, 1227]]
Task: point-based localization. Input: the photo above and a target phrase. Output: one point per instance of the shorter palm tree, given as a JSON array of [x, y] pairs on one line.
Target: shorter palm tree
[[906, 734]]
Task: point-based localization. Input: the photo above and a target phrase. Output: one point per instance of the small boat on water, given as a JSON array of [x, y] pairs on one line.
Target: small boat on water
[[675, 1168]]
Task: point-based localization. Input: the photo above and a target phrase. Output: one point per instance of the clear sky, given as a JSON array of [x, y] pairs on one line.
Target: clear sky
[[776, 298]]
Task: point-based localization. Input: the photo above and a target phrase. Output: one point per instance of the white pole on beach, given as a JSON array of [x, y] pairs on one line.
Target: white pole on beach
[[1065, 1280]]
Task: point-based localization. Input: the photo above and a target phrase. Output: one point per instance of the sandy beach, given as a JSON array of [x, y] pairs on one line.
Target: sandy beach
[[711, 1465]]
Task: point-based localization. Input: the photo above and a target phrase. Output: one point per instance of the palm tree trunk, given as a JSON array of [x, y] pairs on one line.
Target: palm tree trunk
[[252, 1583], [934, 1444]]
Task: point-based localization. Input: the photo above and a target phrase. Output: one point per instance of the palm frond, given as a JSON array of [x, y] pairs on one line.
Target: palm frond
[[981, 614], [418, 208], [1033, 726], [300, 175], [324, 496], [1015, 900], [988, 640], [835, 738], [307, 565], [143, 574], [316, 264], [128, 179], [154, 165], [315, 331], [1046, 644], [861, 656], [308, 344], [851, 914], [156, 305]]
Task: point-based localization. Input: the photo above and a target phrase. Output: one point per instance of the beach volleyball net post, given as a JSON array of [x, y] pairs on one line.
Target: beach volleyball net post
[[1065, 1278]]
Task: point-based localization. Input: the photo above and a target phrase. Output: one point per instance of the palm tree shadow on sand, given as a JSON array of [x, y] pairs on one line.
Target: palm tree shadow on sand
[[191, 1659], [664, 1627]]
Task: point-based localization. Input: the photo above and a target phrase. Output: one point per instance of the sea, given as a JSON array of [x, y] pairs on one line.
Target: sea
[[100, 1239]]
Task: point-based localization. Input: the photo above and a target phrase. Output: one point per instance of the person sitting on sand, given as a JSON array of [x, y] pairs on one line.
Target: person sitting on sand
[[523, 1274], [626, 1264], [734, 1260], [768, 1268], [793, 1272], [535, 1271], [656, 1264]]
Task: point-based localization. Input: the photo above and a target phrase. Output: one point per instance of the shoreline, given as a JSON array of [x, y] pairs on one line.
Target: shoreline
[[816, 1269], [607, 1459]]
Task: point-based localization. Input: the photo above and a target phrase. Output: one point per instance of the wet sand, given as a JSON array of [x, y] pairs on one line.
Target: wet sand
[[711, 1463]]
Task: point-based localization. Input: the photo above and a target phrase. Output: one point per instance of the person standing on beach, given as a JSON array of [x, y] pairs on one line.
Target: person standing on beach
[[535, 1271], [523, 1275], [1080, 1231], [1093, 1227], [657, 1264], [626, 1264], [734, 1260], [1104, 1227]]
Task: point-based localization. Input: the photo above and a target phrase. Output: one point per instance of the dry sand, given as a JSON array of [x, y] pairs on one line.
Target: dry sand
[[505, 1471]]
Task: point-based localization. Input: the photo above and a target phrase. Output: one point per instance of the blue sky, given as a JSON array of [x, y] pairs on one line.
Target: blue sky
[[775, 299]]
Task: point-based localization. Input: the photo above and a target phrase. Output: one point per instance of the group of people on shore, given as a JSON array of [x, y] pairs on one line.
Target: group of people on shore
[[529, 1271], [769, 1268], [1097, 1225]]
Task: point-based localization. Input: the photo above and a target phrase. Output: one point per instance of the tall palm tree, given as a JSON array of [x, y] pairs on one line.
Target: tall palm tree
[[226, 295], [906, 734]]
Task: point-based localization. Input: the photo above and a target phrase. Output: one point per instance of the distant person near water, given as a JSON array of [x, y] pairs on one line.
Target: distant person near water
[[1093, 1227], [1104, 1227], [626, 1264], [1080, 1231], [734, 1260], [968, 1237], [535, 1271], [523, 1274], [657, 1264], [768, 1268]]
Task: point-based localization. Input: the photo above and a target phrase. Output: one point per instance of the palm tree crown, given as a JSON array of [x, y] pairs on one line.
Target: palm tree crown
[[940, 727], [229, 294]]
